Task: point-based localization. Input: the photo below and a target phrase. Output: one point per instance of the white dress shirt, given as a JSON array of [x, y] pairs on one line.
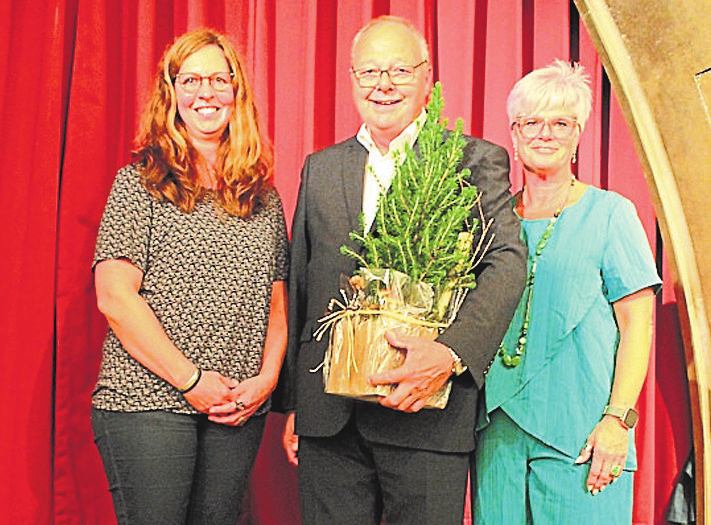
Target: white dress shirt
[[380, 169]]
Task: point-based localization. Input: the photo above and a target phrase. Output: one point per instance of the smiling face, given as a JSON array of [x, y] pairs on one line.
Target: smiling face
[[205, 112], [545, 154], [387, 109]]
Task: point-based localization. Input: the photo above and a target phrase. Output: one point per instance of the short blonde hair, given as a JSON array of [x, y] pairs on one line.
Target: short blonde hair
[[169, 161], [559, 85]]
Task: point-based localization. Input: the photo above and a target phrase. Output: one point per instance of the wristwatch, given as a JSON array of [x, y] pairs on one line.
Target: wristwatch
[[628, 416], [458, 367]]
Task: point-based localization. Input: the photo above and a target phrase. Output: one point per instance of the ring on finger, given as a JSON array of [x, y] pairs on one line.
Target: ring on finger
[[240, 421], [239, 406], [616, 470]]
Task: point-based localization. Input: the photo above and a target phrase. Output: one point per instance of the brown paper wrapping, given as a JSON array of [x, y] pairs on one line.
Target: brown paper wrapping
[[375, 302], [358, 349]]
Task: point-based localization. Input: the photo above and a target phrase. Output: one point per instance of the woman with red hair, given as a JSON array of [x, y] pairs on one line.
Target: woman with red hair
[[189, 268]]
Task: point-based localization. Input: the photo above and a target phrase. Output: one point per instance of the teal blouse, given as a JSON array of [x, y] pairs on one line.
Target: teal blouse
[[597, 254]]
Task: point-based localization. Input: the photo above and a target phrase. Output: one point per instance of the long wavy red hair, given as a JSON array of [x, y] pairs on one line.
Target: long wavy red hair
[[170, 162]]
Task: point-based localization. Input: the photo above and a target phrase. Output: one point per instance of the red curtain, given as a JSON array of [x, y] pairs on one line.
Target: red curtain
[[76, 74]]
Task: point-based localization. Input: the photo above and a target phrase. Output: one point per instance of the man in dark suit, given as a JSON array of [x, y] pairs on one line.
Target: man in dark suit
[[359, 461]]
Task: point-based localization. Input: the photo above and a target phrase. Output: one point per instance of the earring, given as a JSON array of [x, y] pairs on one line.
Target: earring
[[515, 154], [575, 157]]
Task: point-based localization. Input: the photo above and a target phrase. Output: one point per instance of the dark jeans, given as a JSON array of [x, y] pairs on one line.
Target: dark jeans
[[175, 469]]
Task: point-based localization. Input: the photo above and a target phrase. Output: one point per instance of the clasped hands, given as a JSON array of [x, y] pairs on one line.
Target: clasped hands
[[427, 366], [226, 400]]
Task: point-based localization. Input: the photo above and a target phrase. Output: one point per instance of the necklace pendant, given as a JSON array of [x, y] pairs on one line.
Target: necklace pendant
[[509, 361]]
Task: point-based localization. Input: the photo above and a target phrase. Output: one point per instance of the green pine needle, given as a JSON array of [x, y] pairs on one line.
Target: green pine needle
[[418, 222]]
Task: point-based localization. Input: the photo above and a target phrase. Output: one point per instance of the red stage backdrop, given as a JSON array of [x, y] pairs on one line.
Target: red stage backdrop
[[75, 76]]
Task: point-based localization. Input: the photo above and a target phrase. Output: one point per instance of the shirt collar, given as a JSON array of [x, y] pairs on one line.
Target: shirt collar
[[407, 136]]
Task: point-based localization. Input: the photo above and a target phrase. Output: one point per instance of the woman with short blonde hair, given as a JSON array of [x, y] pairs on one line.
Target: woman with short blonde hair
[[557, 425]]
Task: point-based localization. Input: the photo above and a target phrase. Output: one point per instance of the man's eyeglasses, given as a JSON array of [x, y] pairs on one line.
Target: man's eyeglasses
[[191, 82], [560, 127], [370, 76]]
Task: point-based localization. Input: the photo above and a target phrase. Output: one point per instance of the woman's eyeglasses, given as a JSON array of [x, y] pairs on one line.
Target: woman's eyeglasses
[[191, 82], [559, 127]]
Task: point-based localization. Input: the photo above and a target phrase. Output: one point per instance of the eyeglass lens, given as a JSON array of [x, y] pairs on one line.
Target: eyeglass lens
[[398, 75], [560, 127], [191, 82]]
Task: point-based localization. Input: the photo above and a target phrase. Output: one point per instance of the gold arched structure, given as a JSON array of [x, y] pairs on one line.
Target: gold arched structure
[[657, 55]]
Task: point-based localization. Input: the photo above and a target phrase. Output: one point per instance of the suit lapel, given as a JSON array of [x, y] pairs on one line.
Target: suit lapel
[[352, 173]]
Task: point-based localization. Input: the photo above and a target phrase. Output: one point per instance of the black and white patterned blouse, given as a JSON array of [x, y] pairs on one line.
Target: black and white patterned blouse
[[207, 276]]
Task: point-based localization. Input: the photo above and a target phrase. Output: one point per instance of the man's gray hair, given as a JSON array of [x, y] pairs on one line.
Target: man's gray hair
[[424, 49]]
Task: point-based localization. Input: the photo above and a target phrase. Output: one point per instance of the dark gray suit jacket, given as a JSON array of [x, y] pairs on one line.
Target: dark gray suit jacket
[[330, 200]]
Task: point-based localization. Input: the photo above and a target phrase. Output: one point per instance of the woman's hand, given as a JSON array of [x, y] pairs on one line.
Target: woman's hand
[[135, 324], [245, 398], [607, 445], [212, 389], [251, 393]]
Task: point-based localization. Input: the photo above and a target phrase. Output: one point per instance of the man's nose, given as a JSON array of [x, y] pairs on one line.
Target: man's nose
[[384, 82]]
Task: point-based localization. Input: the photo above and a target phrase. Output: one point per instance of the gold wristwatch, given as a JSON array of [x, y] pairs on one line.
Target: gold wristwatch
[[628, 416]]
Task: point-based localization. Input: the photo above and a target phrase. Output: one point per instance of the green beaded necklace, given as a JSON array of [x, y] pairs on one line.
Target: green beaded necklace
[[513, 360]]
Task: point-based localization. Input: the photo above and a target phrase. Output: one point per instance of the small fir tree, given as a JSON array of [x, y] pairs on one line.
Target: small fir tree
[[423, 225]]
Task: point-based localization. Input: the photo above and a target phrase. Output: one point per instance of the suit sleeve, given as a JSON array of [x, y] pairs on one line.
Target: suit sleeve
[[284, 396], [485, 315]]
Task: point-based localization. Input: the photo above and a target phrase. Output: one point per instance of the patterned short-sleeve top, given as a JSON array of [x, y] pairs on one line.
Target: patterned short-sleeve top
[[208, 277]]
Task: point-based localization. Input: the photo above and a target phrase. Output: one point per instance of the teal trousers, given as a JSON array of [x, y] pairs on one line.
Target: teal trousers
[[521, 480]]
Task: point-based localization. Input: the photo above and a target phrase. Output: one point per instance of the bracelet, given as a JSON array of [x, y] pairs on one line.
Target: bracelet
[[192, 382]]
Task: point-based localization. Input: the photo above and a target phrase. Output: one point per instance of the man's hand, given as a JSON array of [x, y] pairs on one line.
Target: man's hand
[[427, 366], [290, 440]]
